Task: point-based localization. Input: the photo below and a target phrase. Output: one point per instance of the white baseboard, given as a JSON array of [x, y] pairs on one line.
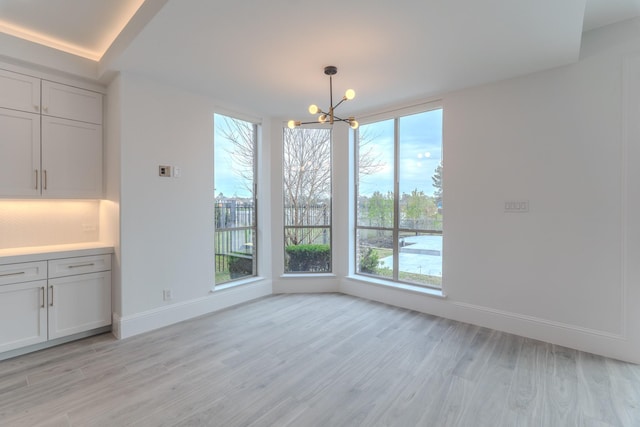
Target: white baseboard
[[604, 343], [128, 326], [305, 283]]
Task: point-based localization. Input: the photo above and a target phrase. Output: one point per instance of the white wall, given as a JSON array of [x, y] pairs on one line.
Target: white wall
[[562, 272], [166, 224]]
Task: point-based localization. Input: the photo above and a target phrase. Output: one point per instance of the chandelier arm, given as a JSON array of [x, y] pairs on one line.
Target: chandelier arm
[[340, 119], [341, 101]]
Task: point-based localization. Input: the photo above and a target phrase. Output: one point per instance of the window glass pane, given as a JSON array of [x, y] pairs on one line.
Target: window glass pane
[[234, 158], [307, 200], [420, 258], [235, 213], [375, 252], [375, 174], [420, 160]]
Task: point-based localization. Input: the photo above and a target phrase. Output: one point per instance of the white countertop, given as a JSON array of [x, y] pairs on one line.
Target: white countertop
[[40, 253]]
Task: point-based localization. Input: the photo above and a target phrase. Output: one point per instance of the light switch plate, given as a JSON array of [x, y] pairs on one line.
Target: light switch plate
[[516, 206]]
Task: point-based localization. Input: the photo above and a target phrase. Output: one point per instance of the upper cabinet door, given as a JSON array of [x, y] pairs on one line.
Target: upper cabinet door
[[19, 92], [19, 154], [72, 103], [71, 159]]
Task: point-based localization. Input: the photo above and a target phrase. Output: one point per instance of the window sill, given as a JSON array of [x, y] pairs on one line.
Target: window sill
[[307, 275], [436, 293], [234, 284]]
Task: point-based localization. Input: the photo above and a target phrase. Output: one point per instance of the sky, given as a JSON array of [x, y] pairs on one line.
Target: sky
[[421, 152]]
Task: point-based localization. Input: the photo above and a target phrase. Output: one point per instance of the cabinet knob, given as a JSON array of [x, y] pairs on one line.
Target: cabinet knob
[[45, 109], [36, 107]]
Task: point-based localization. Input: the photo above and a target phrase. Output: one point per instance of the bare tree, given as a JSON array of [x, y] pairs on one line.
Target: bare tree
[[306, 183]]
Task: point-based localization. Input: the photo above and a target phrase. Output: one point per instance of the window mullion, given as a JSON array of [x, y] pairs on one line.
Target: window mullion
[[396, 198]]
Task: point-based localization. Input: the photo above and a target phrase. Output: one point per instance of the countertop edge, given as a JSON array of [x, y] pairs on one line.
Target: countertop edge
[[42, 253]]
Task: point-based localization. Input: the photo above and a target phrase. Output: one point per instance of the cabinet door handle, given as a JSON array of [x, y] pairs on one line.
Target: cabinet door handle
[[91, 264], [44, 186], [36, 171], [42, 289], [51, 302], [19, 273]]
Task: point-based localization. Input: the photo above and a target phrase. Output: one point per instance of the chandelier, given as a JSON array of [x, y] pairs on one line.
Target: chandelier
[[329, 116]]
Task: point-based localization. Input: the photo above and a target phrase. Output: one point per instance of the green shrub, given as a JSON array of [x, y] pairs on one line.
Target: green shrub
[[305, 258], [369, 261], [240, 265]]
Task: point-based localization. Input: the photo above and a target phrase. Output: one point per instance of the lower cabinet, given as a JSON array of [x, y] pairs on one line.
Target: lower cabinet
[[23, 315], [79, 303], [69, 296]]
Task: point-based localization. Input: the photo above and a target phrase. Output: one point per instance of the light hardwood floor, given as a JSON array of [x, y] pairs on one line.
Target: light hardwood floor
[[317, 360]]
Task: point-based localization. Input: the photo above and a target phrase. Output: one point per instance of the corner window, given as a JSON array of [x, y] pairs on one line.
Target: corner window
[[399, 213], [235, 148], [307, 200]]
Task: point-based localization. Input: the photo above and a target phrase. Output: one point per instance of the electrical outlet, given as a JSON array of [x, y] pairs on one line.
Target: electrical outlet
[[166, 295], [164, 170], [88, 228]]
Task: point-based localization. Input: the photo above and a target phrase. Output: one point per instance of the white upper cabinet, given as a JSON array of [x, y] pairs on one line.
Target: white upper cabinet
[[50, 139], [19, 92], [69, 102]]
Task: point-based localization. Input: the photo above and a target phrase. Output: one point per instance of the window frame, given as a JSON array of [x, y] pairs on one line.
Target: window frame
[[329, 198], [396, 230], [254, 228]]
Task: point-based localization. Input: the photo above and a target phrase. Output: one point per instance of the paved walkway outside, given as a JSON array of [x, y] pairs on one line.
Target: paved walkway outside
[[420, 254]]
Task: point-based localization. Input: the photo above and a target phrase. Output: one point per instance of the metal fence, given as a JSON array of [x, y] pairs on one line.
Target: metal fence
[[307, 215]]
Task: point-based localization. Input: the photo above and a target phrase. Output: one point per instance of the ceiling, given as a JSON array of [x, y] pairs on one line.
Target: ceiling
[[266, 58]]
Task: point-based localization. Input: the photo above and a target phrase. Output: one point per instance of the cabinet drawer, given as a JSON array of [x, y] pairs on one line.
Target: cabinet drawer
[[79, 265], [22, 272]]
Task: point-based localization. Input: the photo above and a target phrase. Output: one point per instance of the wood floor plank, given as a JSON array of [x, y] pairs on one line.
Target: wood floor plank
[[317, 360]]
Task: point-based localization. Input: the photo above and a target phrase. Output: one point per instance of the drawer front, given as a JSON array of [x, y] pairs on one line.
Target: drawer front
[[22, 272], [79, 265]]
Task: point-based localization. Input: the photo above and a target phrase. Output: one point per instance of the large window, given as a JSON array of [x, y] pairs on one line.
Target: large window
[[235, 143], [307, 200], [399, 199]]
